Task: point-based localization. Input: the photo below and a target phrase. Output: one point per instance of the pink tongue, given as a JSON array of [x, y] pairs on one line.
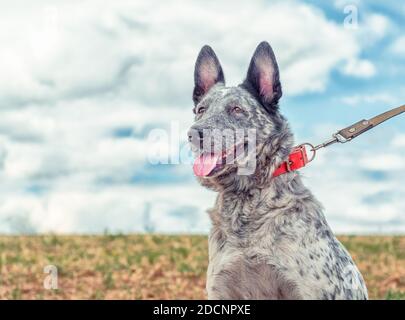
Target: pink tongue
[[205, 163]]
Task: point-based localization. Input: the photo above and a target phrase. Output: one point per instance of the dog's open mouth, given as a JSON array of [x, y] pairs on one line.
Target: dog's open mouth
[[209, 163], [206, 163]]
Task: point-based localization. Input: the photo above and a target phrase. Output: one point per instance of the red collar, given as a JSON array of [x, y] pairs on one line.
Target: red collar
[[296, 160]]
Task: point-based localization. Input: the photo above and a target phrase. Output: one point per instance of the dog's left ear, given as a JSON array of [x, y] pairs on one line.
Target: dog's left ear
[[207, 73], [263, 76]]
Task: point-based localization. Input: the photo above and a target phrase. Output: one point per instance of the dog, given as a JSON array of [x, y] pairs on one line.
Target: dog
[[269, 237]]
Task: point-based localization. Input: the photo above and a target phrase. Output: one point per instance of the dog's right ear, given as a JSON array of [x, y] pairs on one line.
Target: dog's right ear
[[207, 72]]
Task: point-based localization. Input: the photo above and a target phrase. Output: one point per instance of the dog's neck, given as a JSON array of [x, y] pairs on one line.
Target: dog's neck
[[236, 214], [270, 155]]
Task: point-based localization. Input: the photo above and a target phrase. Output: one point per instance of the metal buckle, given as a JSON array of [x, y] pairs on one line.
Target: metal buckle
[[313, 149], [340, 138], [288, 164]]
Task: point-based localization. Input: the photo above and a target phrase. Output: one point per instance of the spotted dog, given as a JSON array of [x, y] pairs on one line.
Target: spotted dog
[[269, 237]]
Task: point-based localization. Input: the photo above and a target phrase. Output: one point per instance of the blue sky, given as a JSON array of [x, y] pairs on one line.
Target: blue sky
[[83, 86]]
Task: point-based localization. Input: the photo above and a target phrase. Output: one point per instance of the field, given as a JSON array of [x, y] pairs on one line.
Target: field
[[155, 266]]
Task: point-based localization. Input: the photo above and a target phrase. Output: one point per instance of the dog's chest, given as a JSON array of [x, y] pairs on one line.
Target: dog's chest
[[237, 271], [258, 256], [231, 276]]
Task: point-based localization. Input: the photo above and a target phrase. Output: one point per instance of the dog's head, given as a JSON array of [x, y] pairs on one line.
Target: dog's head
[[238, 127]]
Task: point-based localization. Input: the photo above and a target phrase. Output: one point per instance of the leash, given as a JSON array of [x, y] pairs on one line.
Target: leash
[[298, 157]]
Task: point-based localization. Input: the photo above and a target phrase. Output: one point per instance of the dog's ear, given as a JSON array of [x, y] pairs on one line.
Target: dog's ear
[[207, 72], [263, 76]]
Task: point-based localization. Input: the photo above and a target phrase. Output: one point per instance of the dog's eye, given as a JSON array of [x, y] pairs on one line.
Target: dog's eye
[[236, 109], [201, 110]]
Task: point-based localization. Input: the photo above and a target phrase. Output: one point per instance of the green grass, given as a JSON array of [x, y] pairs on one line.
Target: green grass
[[395, 295]]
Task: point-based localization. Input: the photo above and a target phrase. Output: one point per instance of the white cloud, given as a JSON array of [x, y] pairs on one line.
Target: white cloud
[[139, 51], [384, 162], [359, 68], [116, 209], [340, 4], [398, 46], [399, 141], [374, 27], [359, 99]]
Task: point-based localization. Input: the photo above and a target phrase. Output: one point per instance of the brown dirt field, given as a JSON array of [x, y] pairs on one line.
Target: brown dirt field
[[156, 266]]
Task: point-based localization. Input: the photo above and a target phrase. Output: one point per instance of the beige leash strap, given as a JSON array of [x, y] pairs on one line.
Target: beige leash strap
[[357, 129], [362, 126]]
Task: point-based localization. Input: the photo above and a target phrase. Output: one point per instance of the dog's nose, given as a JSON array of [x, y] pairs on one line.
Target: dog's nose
[[195, 134]]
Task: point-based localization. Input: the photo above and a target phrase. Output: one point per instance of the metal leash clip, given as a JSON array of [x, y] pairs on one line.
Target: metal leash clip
[[336, 138]]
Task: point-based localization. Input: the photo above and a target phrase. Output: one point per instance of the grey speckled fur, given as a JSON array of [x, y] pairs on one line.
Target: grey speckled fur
[[269, 237]]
